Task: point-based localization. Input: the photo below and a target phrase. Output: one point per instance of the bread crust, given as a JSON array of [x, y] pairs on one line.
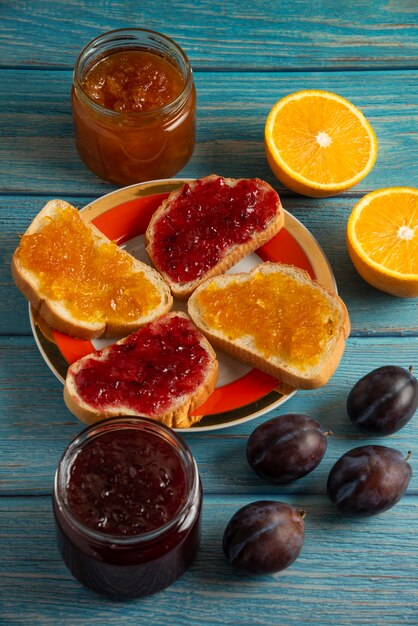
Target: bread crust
[[235, 253], [244, 350], [55, 313], [179, 415]]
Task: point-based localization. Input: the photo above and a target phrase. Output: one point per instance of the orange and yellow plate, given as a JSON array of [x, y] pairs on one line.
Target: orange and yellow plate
[[242, 393]]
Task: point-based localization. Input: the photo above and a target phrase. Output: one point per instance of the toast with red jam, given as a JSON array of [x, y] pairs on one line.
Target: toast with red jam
[[207, 225], [162, 371]]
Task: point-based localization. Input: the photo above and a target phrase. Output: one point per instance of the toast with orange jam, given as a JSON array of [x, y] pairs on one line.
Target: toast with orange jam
[[162, 371], [275, 318], [80, 282], [207, 225]]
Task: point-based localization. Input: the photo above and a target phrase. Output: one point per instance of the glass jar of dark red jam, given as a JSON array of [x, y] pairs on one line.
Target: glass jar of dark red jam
[[134, 106], [127, 504]]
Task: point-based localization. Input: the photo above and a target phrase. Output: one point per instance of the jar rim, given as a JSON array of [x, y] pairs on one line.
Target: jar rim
[[124, 423], [187, 73]]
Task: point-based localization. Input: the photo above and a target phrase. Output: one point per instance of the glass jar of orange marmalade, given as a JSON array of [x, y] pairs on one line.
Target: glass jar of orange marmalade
[[134, 106]]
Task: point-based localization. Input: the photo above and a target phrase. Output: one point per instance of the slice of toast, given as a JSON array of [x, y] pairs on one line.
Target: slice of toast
[[163, 371], [80, 282], [275, 318], [207, 225]]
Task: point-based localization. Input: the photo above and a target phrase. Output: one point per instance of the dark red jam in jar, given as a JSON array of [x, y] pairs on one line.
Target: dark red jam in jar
[[134, 106], [127, 504]]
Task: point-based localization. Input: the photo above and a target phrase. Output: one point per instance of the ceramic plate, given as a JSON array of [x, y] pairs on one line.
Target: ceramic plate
[[242, 393]]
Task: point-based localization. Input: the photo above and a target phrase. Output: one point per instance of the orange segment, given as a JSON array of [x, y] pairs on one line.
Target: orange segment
[[318, 143], [382, 240]]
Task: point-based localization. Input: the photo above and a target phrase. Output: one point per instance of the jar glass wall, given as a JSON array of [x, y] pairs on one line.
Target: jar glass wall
[[114, 558], [130, 146]]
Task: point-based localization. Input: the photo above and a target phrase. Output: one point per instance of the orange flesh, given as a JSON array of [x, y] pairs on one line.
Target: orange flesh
[[387, 230], [94, 282], [295, 132], [286, 319]]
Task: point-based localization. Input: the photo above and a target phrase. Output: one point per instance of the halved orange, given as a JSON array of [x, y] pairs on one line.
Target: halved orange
[[318, 143], [382, 240]]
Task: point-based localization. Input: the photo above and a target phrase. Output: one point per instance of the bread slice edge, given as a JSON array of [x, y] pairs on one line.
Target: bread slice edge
[[53, 311], [182, 291], [179, 414], [244, 350]]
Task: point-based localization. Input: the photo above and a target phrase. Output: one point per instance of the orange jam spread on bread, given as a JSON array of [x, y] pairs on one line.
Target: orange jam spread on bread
[[96, 280], [284, 317]]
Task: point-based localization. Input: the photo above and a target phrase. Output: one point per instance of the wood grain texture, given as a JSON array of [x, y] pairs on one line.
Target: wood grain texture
[[225, 35], [35, 425], [350, 571], [37, 152], [246, 55]]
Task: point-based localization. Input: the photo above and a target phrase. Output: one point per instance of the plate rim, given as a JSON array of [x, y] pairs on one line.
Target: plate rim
[[320, 264]]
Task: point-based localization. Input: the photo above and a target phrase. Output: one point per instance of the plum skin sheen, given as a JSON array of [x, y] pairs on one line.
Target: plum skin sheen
[[264, 537], [368, 480], [384, 400], [286, 447]]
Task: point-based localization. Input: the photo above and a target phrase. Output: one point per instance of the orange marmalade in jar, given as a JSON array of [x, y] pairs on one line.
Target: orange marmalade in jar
[[134, 106]]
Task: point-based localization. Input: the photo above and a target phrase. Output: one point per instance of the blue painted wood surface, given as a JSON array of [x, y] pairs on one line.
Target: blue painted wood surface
[[246, 55], [223, 35]]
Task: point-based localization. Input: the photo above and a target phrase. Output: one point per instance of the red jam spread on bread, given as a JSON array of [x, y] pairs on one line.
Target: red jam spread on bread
[[148, 371], [284, 317], [126, 482], [95, 281], [204, 222], [133, 80]]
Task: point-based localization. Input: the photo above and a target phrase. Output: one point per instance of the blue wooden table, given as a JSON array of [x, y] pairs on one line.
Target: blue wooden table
[[245, 55]]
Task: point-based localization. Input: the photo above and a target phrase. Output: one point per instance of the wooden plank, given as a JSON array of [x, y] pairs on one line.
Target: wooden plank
[[326, 219], [229, 35], [35, 426], [350, 571], [37, 152]]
